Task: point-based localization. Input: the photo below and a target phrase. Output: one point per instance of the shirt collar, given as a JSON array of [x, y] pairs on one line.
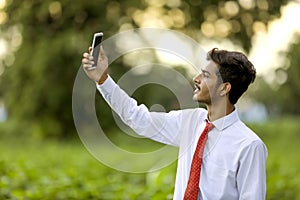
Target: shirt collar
[[226, 121]]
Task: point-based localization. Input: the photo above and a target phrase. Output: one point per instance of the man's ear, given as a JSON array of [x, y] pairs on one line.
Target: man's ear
[[225, 88]]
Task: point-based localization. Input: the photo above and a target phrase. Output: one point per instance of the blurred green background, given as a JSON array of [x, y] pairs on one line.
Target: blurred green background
[[41, 46]]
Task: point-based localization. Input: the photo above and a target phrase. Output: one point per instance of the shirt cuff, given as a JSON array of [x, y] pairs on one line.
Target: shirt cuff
[[106, 87]]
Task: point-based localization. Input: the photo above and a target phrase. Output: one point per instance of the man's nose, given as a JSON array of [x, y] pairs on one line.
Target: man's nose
[[197, 79]]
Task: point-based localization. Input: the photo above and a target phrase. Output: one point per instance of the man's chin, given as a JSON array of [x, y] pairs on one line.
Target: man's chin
[[195, 98]]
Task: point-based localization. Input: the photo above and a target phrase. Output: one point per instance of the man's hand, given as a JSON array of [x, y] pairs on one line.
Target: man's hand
[[97, 73]]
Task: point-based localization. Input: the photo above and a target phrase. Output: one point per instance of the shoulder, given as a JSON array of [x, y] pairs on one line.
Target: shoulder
[[187, 117], [250, 139], [246, 132], [195, 113], [189, 111]]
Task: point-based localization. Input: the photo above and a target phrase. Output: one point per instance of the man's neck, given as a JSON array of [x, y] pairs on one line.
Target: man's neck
[[217, 111]]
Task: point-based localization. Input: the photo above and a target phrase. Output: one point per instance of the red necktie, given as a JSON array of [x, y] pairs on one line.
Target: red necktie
[[191, 191]]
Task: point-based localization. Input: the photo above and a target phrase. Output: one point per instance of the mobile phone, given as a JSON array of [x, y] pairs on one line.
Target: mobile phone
[[96, 46]]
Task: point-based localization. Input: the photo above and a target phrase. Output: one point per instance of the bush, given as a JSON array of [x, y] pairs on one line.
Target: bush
[[36, 169]]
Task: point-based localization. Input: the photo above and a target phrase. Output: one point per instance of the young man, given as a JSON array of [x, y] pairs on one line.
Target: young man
[[219, 156]]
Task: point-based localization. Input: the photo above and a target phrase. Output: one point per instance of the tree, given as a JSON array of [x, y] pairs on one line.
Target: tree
[[289, 92], [37, 87], [281, 95]]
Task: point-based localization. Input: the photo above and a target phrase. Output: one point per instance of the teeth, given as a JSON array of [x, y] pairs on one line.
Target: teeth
[[197, 89]]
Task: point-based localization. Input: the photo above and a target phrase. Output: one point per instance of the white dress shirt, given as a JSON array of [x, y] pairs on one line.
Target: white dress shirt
[[234, 159]]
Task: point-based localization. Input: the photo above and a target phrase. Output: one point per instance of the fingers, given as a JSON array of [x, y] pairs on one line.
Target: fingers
[[88, 62], [90, 68], [86, 55]]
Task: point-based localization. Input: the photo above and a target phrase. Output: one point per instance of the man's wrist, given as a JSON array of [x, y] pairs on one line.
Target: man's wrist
[[102, 79]]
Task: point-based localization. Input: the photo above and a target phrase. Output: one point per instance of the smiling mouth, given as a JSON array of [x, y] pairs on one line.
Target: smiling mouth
[[197, 88]]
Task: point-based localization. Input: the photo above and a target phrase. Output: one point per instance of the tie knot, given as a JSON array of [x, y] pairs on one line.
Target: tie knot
[[209, 125]]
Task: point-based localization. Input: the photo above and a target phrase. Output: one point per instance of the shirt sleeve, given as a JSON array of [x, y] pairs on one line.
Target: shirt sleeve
[[251, 176], [161, 127]]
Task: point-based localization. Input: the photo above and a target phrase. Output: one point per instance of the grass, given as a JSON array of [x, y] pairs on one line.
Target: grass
[[282, 138], [60, 170], [43, 169]]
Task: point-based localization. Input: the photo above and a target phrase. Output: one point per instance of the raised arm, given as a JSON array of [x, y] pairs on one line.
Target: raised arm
[[162, 127]]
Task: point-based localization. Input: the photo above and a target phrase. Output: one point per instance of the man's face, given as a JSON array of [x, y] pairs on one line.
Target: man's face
[[206, 84]]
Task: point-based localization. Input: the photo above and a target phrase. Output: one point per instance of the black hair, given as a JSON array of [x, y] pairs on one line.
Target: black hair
[[235, 68]]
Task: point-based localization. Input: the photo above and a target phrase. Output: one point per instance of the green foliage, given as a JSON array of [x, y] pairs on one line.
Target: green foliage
[[55, 170], [37, 86], [261, 91], [59, 170], [290, 89], [281, 96], [281, 137]]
